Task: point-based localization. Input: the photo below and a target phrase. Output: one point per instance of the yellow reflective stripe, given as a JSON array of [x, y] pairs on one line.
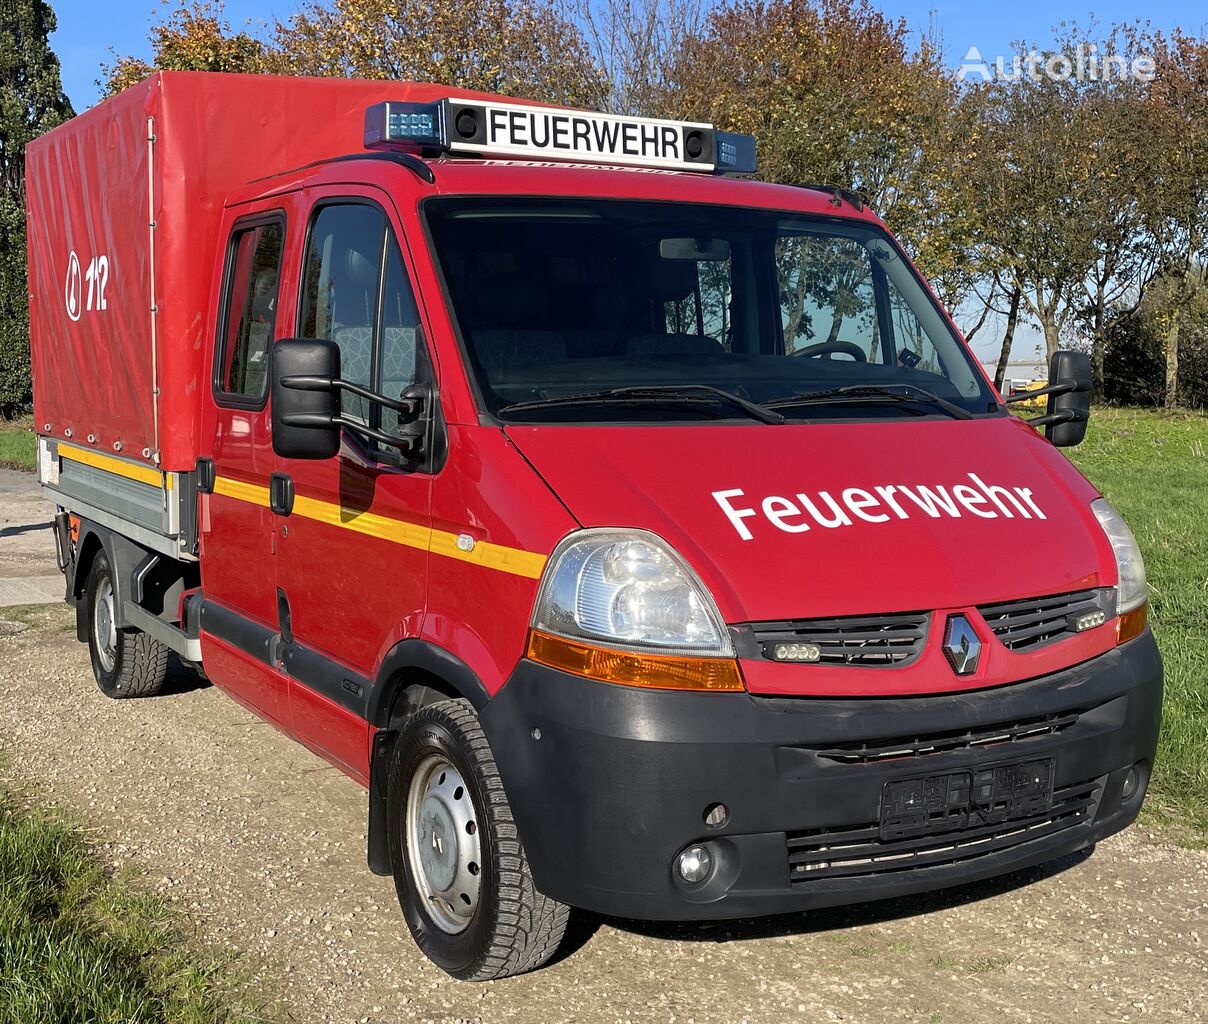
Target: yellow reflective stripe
[[119, 467], [253, 494], [515, 561], [493, 556], [371, 525]]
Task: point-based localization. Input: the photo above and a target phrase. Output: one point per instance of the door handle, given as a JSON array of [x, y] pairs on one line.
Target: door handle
[[205, 476], [281, 494]]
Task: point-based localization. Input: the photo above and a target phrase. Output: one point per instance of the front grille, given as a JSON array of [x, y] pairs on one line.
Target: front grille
[[1023, 625], [866, 640], [860, 850], [870, 751]]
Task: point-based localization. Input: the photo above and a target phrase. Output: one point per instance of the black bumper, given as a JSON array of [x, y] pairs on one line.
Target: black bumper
[[608, 783]]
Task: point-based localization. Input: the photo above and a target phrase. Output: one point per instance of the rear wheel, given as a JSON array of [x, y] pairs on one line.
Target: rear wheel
[[459, 867], [125, 662]]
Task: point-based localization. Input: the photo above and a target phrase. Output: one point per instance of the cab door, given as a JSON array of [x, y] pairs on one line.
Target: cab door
[[237, 531], [353, 553]]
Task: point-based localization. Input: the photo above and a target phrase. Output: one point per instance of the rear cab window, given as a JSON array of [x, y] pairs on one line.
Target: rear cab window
[[249, 312]]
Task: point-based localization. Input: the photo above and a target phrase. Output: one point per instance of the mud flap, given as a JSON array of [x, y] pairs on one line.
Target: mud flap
[[379, 769]]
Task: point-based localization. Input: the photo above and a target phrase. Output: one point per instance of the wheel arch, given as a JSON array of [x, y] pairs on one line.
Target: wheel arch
[[413, 674], [123, 556], [142, 576], [414, 662]]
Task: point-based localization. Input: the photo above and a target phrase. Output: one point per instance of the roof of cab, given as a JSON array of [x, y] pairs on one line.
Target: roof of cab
[[467, 176]]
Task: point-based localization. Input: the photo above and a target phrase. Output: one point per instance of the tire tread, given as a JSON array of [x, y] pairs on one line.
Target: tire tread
[[527, 927], [144, 662], [141, 661]]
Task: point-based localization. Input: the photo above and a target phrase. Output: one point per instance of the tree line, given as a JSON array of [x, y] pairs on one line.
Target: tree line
[[31, 102], [1077, 202]]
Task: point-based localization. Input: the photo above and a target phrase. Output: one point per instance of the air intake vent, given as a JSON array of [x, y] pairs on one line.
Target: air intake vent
[[1023, 625], [946, 742], [861, 850], [865, 640]]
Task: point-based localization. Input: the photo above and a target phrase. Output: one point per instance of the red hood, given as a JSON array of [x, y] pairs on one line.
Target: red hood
[[887, 553]]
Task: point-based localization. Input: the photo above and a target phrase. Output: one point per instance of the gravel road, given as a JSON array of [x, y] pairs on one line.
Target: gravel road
[[27, 545], [264, 846]]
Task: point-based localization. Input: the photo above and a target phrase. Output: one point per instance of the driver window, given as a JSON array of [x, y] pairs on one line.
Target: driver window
[[826, 296], [340, 290]]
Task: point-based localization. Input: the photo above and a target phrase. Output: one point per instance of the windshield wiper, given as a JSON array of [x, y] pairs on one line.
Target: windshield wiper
[[657, 394], [872, 393]]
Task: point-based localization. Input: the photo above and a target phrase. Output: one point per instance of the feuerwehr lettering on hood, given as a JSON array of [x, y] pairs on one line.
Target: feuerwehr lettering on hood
[[802, 512]]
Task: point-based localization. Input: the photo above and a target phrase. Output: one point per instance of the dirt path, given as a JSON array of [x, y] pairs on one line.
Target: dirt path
[[264, 846], [27, 546]]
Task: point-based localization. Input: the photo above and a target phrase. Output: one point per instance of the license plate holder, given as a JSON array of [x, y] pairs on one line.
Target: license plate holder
[[953, 801]]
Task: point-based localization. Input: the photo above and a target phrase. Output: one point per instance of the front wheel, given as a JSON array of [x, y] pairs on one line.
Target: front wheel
[[459, 867]]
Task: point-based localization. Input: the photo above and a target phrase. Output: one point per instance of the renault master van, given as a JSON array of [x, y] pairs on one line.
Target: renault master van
[[635, 532]]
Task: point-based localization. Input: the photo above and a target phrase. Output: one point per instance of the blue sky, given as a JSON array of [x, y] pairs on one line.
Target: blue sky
[[89, 33]]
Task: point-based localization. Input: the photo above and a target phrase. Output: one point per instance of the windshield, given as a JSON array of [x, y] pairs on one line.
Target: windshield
[[563, 302]]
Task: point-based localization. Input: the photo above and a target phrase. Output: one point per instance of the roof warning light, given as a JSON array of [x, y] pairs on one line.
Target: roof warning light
[[512, 130]]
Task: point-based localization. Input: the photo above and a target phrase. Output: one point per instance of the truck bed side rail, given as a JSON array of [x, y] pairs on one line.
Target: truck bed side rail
[[154, 508]]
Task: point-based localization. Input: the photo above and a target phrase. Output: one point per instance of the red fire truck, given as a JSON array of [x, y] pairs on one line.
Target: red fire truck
[[630, 529]]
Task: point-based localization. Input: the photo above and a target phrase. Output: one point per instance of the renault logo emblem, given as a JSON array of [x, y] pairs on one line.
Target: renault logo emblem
[[962, 648]]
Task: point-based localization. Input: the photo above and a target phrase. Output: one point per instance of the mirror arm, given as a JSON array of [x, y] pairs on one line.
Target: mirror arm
[[411, 407], [407, 443], [407, 406], [316, 420], [307, 383], [1063, 387], [1065, 416]]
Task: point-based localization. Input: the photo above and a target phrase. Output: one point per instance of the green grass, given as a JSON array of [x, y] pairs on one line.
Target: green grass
[[77, 945], [18, 444], [1154, 469], [988, 964]]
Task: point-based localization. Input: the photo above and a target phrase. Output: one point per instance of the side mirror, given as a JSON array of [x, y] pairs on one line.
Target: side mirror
[[305, 399], [306, 404], [1069, 407], [1069, 391]]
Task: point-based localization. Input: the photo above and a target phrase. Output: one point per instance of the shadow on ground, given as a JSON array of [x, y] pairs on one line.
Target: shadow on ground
[[13, 531], [583, 925], [182, 679]]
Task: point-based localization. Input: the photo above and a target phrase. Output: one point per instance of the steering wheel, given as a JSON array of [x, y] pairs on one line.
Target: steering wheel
[[826, 348]]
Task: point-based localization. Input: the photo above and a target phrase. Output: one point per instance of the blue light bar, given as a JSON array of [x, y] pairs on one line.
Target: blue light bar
[[735, 154], [421, 125], [512, 131]]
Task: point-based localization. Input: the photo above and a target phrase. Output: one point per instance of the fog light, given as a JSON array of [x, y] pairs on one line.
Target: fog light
[[695, 864], [798, 652], [1131, 781], [1089, 621], [717, 815]]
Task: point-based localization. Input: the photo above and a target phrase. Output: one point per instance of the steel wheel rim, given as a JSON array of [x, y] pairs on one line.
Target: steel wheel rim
[[104, 624], [444, 847]]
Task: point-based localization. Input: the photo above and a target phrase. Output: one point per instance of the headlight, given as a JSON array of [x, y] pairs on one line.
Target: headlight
[[628, 589], [1131, 590]]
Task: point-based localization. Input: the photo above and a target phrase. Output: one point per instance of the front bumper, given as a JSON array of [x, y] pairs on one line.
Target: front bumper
[[608, 783]]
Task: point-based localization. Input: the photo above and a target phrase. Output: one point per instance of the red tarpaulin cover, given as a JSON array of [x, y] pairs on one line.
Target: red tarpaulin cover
[[96, 184]]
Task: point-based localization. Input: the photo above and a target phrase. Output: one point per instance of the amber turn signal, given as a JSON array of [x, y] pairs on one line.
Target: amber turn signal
[[656, 671], [1131, 624]]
